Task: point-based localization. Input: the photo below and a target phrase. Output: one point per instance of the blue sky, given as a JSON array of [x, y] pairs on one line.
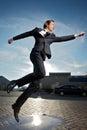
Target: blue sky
[[23, 15]]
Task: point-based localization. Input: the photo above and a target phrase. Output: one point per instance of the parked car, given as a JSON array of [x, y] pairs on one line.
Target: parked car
[[70, 89]]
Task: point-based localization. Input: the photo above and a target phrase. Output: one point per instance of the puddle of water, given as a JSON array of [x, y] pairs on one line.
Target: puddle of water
[[34, 122]]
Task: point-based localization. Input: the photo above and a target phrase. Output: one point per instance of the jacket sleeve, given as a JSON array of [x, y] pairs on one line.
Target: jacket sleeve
[[64, 38], [26, 34]]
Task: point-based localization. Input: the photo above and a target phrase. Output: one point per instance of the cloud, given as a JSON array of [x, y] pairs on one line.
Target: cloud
[[50, 67], [18, 25], [13, 53], [77, 65]]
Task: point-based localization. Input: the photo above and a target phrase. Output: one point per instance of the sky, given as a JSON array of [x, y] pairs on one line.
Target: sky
[[20, 16]]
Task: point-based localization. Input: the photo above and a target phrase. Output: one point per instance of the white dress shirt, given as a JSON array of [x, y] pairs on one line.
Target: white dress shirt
[[43, 32]]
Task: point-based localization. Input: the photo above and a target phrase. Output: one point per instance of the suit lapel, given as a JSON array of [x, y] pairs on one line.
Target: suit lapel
[[48, 34]]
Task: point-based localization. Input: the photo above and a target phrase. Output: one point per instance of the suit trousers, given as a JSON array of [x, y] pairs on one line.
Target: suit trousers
[[32, 78], [38, 69]]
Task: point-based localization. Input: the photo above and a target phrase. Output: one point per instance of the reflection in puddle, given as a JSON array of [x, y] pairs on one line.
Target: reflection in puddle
[[32, 122], [36, 120]]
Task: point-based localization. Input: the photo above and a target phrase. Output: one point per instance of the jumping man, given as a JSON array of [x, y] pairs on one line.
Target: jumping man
[[43, 39]]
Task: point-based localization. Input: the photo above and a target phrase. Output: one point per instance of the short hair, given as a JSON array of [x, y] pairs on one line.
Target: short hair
[[47, 23]]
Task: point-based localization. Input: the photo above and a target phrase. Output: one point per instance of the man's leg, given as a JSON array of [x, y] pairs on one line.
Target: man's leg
[[26, 94], [39, 72], [23, 97]]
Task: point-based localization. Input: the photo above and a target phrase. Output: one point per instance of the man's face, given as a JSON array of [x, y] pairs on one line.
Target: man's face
[[50, 27]]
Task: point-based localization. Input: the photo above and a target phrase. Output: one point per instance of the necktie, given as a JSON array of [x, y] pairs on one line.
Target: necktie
[[46, 34]]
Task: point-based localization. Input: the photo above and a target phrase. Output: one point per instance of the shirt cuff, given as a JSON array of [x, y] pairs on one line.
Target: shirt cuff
[[75, 35]]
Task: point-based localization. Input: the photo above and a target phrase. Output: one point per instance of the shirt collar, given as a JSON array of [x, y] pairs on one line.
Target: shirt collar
[[46, 30]]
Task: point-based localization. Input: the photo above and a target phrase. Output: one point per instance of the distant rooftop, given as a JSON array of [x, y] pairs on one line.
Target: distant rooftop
[[60, 74]]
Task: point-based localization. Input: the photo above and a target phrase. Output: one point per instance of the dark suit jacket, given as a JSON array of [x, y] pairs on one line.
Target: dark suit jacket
[[43, 42]]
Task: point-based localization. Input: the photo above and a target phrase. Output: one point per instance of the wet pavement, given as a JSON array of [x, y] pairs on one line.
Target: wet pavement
[[33, 122], [44, 112]]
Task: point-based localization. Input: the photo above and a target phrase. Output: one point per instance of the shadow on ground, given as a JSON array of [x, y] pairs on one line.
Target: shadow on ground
[[58, 97], [45, 95]]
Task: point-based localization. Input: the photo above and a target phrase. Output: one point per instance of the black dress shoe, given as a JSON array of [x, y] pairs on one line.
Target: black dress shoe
[[16, 112], [10, 86]]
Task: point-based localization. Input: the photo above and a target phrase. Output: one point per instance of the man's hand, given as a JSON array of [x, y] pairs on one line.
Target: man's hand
[[79, 34], [10, 41]]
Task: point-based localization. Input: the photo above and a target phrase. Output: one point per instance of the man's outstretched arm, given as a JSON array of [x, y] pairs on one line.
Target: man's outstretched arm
[[69, 37], [23, 35]]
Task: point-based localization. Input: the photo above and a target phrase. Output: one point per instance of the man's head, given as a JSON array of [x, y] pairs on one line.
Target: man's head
[[49, 25]]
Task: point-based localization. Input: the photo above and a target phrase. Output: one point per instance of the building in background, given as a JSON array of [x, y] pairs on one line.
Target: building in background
[[59, 79]]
